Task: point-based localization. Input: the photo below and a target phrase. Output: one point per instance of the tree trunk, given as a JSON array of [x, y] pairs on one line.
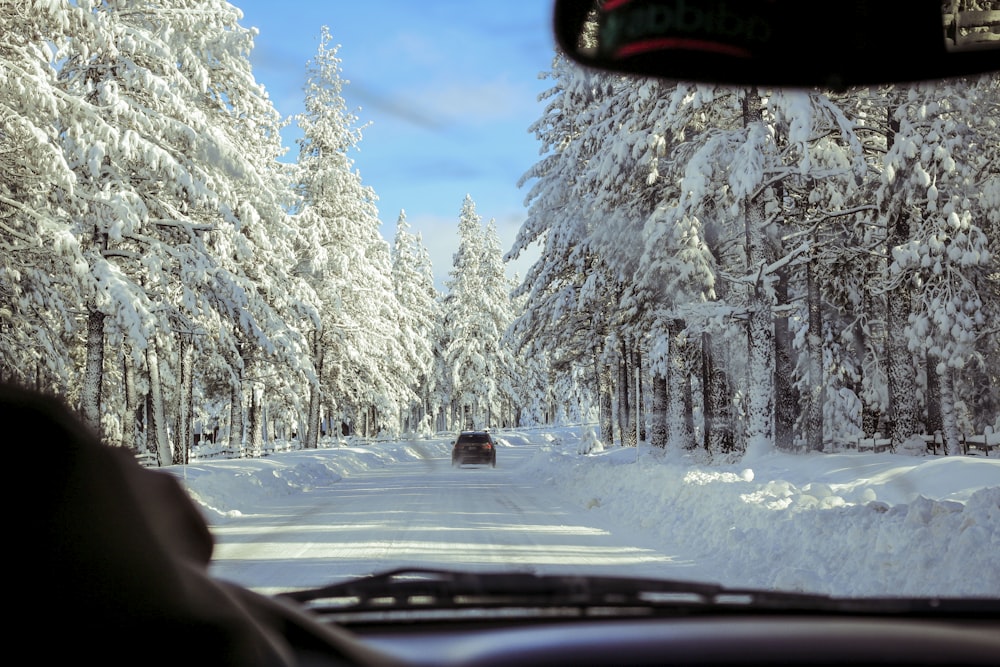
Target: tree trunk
[[315, 395], [158, 419], [865, 339], [624, 405], [640, 419], [899, 367], [658, 417], [236, 412], [678, 436], [814, 353], [91, 393], [132, 412], [689, 429], [786, 394], [255, 417], [760, 324], [786, 402], [605, 399], [93, 376], [935, 422], [147, 428], [185, 401], [899, 364], [717, 400], [949, 419]]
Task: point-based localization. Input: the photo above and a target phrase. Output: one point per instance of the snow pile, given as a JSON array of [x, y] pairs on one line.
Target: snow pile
[[589, 443], [228, 488], [845, 524]]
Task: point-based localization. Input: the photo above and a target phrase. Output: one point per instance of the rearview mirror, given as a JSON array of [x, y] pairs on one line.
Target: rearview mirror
[[791, 43]]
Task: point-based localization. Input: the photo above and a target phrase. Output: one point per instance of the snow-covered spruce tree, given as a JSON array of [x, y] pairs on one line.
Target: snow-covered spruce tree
[[43, 275], [364, 377], [413, 283], [463, 357], [474, 324], [497, 314]]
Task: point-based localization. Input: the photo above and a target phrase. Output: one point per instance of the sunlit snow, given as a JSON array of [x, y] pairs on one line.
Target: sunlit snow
[[843, 524]]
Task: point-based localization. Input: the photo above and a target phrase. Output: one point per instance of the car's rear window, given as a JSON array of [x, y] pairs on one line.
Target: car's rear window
[[474, 437]]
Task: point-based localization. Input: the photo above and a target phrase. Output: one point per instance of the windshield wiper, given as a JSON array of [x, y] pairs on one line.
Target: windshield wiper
[[428, 593]]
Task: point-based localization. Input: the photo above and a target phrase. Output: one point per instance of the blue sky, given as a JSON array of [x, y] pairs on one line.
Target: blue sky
[[448, 89]]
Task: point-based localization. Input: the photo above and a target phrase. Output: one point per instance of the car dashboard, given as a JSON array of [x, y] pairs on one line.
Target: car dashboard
[[439, 617], [771, 640]]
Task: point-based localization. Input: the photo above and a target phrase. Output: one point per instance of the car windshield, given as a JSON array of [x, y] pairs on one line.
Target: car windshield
[[290, 251]]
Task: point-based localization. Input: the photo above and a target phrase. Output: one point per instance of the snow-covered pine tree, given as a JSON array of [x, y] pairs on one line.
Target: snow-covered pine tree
[[934, 175], [413, 283], [895, 217], [106, 140], [855, 281], [818, 165], [216, 51], [570, 294], [43, 275], [356, 341], [648, 236], [535, 391], [179, 175]]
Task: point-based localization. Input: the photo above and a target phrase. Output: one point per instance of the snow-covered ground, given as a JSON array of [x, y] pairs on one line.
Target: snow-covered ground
[[843, 524]]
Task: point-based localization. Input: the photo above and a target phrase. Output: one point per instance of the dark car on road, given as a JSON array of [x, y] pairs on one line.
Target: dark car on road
[[474, 447]]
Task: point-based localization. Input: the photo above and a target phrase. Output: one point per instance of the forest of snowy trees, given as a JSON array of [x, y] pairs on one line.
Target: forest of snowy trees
[[722, 270], [167, 273], [762, 269]]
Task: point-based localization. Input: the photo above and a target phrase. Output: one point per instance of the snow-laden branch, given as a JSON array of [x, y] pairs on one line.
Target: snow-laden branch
[[124, 254], [185, 224], [766, 270], [813, 223], [779, 175], [23, 209]]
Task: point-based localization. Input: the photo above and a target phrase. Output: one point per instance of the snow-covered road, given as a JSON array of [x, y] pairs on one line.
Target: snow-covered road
[[422, 512], [844, 524]]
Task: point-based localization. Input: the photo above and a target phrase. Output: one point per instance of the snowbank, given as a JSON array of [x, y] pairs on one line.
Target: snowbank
[[843, 524], [230, 488]]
